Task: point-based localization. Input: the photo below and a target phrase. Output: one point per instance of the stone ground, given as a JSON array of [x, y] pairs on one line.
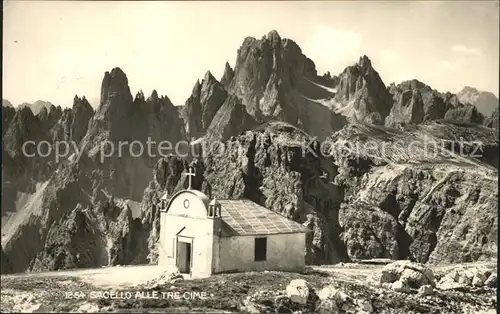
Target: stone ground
[[147, 288]]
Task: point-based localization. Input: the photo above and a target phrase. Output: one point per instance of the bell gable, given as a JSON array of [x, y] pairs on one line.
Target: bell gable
[[188, 203]]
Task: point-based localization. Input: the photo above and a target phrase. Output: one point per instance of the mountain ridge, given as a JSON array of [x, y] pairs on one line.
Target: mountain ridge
[[95, 209]]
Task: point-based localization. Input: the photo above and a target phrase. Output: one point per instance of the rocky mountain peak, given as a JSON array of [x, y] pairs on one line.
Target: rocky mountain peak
[[25, 113], [209, 78], [361, 87], [42, 114], [196, 88], [416, 102], [112, 117], [360, 68], [139, 97], [470, 89], [365, 63], [274, 80], [114, 83], [485, 102], [228, 75], [154, 96], [273, 37], [23, 126], [265, 68], [48, 116], [36, 106], [78, 118], [81, 104], [200, 108], [55, 112], [412, 85], [6, 103]]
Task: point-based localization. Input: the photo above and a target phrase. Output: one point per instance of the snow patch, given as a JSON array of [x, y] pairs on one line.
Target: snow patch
[[328, 89]]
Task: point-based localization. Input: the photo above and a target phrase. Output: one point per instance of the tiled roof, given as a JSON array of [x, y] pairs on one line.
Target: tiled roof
[[244, 217]]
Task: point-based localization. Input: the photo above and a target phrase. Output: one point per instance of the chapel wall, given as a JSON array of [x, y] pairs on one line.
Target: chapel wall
[[284, 252]]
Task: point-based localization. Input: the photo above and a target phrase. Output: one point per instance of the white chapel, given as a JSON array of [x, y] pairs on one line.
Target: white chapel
[[201, 237]]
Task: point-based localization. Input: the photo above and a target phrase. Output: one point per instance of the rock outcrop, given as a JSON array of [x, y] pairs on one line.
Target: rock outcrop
[[402, 276], [231, 119], [417, 196], [465, 113], [267, 165], [461, 277], [415, 102], [492, 122], [6, 267], [8, 113], [76, 241]]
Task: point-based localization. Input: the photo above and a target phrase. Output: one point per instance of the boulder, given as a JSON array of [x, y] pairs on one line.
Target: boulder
[[367, 307], [88, 308], [465, 280], [327, 292], [466, 277], [332, 300], [447, 283], [327, 306], [298, 291], [331, 293], [410, 275], [168, 278], [425, 290], [491, 281], [478, 280], [400, 286]]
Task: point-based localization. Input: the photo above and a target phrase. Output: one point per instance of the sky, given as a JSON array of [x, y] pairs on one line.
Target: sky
[[54, 50]]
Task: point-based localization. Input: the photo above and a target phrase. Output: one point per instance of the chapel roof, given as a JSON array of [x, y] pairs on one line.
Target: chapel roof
[[244, 217]]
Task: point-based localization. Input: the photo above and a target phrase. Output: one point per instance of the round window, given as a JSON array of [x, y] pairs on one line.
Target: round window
[[186, 203]]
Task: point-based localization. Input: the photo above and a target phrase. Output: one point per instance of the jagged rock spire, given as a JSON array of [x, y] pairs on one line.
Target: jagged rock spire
[[228, 75], [200, 108]]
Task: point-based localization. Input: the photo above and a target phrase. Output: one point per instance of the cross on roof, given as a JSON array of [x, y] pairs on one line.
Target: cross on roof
[[190, 174]]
